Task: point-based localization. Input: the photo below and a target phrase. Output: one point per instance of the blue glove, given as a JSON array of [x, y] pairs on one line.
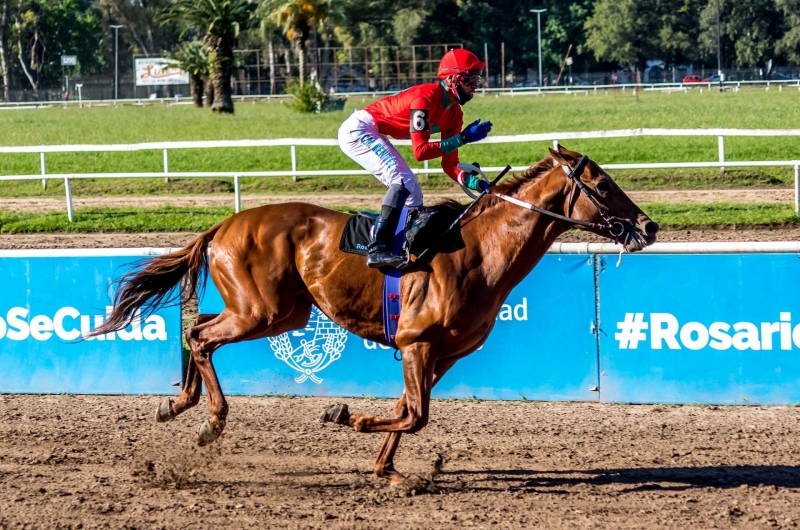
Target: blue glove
[[476, 131]]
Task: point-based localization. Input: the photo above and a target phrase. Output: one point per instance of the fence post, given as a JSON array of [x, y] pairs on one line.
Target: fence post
[[797, 189], [425, 165], [44, 170], [237, 194], [70, 212], [166, 165], [555, 145], [294, 162], [721, 144]]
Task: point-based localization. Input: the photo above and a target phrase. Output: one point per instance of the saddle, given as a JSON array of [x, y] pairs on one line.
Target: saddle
[[422, 230]]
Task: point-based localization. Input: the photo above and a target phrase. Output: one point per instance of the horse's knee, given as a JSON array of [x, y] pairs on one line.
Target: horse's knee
[[415, 422]]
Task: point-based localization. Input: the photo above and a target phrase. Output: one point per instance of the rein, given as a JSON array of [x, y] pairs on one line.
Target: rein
[[615, 228]]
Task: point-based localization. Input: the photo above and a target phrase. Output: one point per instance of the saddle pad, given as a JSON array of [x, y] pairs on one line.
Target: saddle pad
[[356, 234]]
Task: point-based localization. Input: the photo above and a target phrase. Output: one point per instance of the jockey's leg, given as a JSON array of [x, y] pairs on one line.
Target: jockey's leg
[[380, 248], [360, 139]]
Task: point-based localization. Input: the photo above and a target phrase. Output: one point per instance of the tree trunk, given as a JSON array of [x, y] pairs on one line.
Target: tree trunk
[[196, 88], [299, 49], [271, 69], [5, 54], [209, 91], [220, 51]]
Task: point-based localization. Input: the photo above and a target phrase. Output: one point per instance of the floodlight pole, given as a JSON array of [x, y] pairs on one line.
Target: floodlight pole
[[116, 27], [539, 35]]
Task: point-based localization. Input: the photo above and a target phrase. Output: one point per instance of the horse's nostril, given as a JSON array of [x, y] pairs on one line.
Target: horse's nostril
[[650, 227]]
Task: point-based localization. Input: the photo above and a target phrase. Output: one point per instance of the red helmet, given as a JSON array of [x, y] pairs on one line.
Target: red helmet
[[460, 61]]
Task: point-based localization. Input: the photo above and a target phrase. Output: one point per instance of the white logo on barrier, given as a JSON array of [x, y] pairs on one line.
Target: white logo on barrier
[[314, 354], [69, 324], [664, 329]]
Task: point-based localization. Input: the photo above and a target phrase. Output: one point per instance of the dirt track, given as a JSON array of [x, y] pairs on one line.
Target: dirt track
[[104, 462]]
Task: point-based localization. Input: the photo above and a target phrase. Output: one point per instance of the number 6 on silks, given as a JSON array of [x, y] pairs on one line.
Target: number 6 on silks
[[419, 120]]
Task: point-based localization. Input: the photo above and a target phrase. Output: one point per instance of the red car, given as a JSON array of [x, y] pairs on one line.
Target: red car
[[693, 79]]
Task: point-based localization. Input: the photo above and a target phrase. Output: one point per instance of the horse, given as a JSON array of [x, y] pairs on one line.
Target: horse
[[273, 263]]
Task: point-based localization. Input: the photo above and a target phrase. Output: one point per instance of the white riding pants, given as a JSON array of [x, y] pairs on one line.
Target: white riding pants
[[360, 140]]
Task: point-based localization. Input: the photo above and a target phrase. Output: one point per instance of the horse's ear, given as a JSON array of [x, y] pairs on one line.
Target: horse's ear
[[556, 156], [567, 154]]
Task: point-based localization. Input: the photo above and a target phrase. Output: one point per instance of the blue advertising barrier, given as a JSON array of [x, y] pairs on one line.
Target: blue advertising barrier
[[700, 328], [542, 347], [48, 301]]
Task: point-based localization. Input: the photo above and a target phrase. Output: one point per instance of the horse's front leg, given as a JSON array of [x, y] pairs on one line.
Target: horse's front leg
[[418, 369], [384, 464]]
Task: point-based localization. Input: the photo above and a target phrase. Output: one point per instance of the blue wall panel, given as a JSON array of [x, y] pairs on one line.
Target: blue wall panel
[[700, 328], [542, 347], [44, 306]]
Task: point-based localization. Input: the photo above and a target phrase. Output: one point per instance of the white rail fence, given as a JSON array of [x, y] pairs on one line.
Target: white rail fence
[[292, 143]]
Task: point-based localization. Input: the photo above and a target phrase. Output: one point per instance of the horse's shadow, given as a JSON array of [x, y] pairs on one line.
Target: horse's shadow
[[637, 479]]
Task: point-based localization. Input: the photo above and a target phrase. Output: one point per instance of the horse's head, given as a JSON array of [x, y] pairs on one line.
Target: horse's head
[[593, 197]]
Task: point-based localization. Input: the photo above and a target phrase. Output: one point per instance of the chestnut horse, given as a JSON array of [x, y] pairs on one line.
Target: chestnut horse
[[272, 264]]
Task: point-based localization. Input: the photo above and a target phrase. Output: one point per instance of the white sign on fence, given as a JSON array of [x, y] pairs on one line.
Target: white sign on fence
[[69, 60], [155, 71]]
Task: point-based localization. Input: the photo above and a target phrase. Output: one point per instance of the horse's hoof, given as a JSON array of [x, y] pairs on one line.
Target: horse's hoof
[[163, 412], [337, 414], [206, 434]]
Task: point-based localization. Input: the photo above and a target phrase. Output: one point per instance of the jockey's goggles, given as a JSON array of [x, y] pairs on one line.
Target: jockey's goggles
[[469, 80]]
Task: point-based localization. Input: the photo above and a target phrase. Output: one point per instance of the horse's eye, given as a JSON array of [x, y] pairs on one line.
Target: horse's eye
[[603, 187]]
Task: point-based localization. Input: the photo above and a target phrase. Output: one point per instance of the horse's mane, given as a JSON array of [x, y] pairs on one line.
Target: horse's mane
[[452, 208]]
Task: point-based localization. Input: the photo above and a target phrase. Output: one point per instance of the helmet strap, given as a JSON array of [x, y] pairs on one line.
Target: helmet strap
[[452, 84]]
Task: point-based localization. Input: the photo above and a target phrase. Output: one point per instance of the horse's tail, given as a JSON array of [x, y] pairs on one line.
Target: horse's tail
[[149, 285]]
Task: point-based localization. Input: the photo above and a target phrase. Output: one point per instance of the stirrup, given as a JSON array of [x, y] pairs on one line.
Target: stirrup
[[386, 258]]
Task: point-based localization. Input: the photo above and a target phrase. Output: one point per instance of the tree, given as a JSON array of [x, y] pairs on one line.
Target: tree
[[29, 45], [296, 18], [750, 30], [630, 32], [192, 58], [46, 29], [789, 43], [219, 21], [5, 52]]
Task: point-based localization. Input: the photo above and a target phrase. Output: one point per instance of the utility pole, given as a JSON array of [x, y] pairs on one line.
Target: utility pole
[[539, 34], [116, 27], [719, 51]]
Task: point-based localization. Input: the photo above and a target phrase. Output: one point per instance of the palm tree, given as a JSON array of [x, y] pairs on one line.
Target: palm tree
[[192, 57], [296, 17], [219, 21]]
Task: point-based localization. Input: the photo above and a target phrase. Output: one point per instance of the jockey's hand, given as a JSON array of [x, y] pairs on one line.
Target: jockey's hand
[[476, 131], [473, 181]]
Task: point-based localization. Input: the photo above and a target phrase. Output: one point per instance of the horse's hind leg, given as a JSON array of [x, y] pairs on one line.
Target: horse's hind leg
[[190, 395], [227, 328]]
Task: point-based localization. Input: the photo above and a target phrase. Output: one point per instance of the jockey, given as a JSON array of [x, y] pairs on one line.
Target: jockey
[[419, 111]]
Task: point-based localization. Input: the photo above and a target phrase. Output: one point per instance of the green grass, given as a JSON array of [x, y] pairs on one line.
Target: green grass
[[511, 115], [176, 219]]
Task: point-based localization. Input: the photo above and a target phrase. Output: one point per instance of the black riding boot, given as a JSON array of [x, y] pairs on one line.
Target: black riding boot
[[380, 248]]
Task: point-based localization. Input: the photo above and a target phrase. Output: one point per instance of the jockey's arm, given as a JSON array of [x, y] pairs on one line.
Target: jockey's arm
[[450, 157], [420, 129]]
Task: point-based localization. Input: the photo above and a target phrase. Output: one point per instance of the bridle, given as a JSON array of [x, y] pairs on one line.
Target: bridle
[[615, 228]]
